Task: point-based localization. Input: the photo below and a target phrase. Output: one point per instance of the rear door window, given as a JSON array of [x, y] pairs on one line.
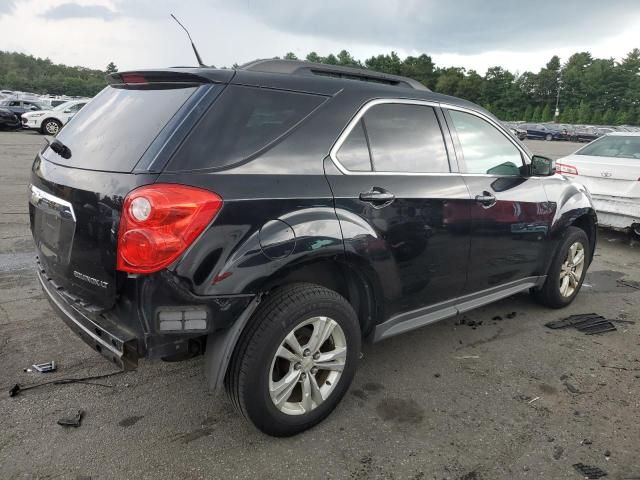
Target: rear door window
[[111, 132], [405, 138], [243, 122]]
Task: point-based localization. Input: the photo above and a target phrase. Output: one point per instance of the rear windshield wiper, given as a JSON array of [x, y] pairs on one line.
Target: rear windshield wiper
[[60, 148]]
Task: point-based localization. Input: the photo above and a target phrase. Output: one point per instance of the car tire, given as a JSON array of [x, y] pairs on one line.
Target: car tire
[[50, 126], [548, 137], [556, 291], [271, 379]]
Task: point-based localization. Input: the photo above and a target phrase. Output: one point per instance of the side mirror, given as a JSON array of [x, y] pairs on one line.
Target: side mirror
[[542, 166], [68, 110]]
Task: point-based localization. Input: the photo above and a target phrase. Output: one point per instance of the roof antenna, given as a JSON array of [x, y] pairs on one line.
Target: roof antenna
[[195, 50]]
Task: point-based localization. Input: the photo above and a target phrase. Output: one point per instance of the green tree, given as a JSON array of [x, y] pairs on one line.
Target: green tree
[[568, 115], [528, 113], [345, 58], [111, 68], [596, 119], [290, 56], [584, 113], [314, 57], [609, 117], [546, 115], [622, 118], [537, 114]]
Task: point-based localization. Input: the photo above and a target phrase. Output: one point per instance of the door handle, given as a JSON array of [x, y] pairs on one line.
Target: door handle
[[486, 199], [377, 196]]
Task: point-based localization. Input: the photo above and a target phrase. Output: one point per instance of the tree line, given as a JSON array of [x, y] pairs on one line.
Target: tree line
[[599, 91]]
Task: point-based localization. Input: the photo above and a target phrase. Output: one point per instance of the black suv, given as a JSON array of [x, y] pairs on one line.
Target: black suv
[[275, 216]]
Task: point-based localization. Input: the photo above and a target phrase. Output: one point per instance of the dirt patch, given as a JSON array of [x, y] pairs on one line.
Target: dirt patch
[[399, 410]]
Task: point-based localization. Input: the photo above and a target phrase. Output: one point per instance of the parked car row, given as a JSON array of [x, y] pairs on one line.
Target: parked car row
[[563, 131], [34, 116]]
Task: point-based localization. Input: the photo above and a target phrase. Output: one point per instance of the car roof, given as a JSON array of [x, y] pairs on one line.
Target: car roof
[[623, 134], [310, 77]]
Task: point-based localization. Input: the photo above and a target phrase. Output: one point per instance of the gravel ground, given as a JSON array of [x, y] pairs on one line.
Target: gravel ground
[[493, 395]]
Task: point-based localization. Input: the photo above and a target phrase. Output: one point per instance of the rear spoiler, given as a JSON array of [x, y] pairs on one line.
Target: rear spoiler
[[170, 77]]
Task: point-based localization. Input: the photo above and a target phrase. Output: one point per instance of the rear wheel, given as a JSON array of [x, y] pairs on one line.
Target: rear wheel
[[51, 126], [296, 361], [567, 271]]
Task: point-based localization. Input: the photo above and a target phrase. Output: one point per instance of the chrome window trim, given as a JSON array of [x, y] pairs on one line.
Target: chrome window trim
[[37, 194], [427, 103]]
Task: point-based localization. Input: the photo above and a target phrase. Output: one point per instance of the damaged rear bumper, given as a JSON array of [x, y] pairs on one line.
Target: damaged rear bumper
[[113, 342], [619, 213]]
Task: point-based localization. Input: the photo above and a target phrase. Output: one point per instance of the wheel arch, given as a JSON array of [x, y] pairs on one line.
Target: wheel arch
[[346, 279]]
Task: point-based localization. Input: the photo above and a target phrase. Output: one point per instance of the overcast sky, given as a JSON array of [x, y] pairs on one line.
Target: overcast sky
[[517, 34]]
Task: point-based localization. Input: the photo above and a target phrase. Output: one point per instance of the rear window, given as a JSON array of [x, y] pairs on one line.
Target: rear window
[[241, 123], [112, 131], [613, 146]]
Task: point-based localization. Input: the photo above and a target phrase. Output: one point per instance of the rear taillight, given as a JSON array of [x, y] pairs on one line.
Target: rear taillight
[[566, 169], [159, 222]]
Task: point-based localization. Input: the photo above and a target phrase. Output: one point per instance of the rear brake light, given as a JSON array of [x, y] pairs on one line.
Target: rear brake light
[[159, 222], [566, 169], [133, 78]]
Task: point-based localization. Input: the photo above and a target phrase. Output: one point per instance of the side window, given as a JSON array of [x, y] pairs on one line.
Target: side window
[[485, 148], [405, 138], [354, 152]]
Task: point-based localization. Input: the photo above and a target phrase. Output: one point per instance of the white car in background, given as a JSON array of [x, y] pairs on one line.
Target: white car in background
[[610, 169], [49, 122]]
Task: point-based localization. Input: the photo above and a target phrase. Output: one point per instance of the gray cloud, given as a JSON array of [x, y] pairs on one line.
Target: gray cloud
[[463, 26], [73, 10]]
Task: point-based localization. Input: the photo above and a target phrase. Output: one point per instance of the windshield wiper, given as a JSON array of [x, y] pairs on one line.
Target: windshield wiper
[[60, 148]]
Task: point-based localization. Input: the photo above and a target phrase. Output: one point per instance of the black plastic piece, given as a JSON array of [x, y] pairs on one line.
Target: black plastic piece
[[589, 472], [574, 320], [74, 421], [598, 328]]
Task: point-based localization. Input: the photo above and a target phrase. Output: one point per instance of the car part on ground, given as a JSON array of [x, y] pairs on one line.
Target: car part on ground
[[285, 211]]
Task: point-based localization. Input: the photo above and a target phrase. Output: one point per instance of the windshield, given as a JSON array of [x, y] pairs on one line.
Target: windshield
[[613, 146], [62, 106]]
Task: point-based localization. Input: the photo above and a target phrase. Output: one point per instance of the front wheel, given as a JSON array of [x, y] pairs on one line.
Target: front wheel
[[51, 126], [549, 137], [296, 360], [567, 272]]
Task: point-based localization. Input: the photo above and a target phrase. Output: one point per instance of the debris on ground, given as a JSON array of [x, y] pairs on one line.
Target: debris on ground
[[589, 472], [511, 315], [17, 388], [557, 452], [628, 283], [44, 367], [572, 388], [497, 318], [586, 441], [587, 323], [74, 421]]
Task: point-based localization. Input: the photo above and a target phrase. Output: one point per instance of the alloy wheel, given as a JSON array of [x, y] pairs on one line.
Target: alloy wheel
[[307, 365], [52, 128], [571, 269]]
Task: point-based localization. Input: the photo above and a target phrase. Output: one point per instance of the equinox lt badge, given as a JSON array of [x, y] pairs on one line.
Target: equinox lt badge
[[91, 280]]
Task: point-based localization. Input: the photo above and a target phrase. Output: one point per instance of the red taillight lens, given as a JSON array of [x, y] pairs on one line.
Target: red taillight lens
[[133, 78], [566, 169], [159, 222]]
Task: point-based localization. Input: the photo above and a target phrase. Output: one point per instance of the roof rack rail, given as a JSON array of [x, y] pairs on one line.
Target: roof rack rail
[[299, 67]]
